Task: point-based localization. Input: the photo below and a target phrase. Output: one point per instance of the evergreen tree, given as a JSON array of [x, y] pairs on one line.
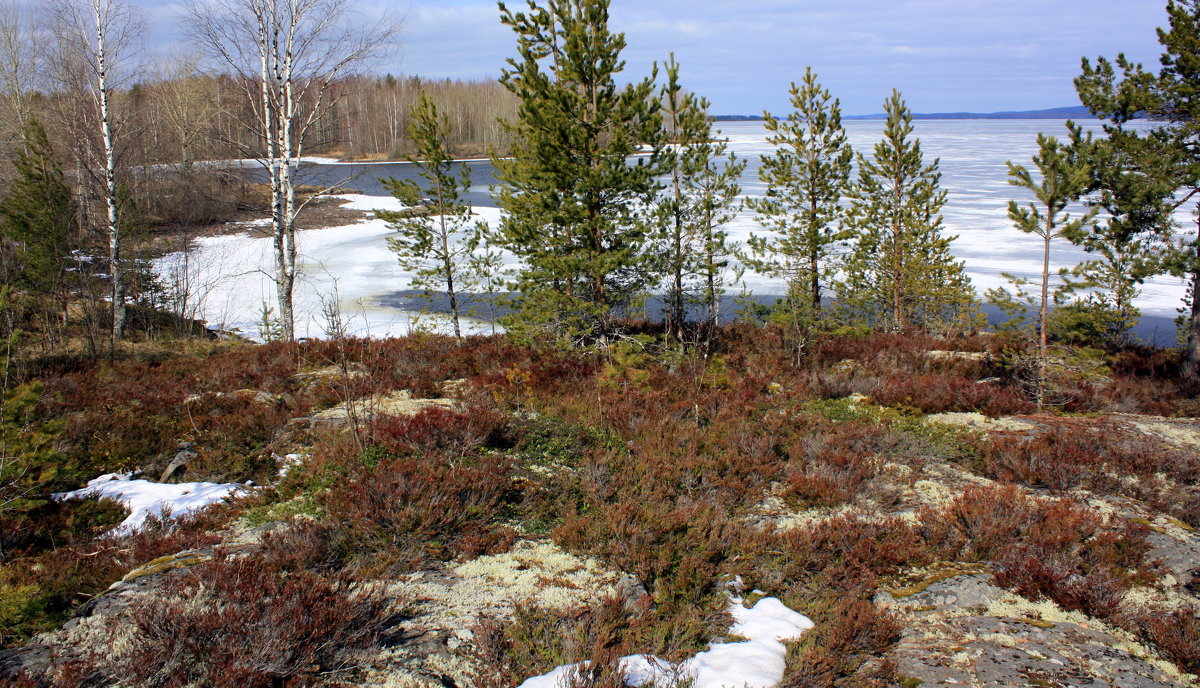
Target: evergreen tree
[[701, 198], [1063, 179], [438, 241], [576, 204], [901, 275], [1130, 238], [38, 218], [806, 177], [1144, 175]]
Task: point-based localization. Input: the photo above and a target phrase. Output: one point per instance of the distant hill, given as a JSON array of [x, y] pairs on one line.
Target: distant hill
[[1073, 112]]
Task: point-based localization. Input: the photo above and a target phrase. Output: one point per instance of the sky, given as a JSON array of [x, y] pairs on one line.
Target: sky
[[943, 55]]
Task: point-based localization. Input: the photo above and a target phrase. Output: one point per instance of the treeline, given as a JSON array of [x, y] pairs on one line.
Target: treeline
[[183, 117]]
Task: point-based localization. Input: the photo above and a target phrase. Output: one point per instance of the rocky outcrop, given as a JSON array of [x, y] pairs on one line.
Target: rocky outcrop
[[965, 631]]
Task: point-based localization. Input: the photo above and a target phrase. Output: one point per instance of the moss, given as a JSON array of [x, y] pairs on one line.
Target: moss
[[909, 681], [167, 563], [1038, 623], [1180, 524], [918, 580]]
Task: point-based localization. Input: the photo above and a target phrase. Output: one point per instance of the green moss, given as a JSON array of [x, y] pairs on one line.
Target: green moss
[[1037, 623], [909, 681], [917, 581]]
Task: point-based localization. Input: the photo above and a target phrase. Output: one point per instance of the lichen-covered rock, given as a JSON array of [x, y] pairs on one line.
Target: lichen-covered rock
[[965, 631]]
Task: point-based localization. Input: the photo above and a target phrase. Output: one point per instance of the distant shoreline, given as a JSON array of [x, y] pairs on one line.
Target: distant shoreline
[[1073, 112]]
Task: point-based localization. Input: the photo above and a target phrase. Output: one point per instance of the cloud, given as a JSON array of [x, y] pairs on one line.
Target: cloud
[[944, 54]]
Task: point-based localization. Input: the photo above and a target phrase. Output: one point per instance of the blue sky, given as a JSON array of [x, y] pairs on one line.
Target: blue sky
[[944, 55]]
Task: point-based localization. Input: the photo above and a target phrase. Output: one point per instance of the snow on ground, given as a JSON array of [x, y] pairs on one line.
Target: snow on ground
[[145, 499], [757, 662]]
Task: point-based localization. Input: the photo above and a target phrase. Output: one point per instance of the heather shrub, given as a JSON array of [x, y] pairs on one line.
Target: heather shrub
[[1103, 457], [537, 640], [1176, 634], [247, 625], [1042, 548], [404, 509], [847, 553], [437, 430], [849, 637]]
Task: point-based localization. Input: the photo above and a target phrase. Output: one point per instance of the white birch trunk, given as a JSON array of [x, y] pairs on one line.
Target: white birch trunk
[[116, 272]]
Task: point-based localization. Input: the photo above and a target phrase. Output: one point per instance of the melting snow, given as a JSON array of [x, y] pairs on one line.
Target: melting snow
[[757, 662], [144, 498]]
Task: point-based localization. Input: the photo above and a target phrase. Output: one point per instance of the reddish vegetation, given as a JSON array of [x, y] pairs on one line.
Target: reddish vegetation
[[1110, 458], [652, 461], [248, 625]]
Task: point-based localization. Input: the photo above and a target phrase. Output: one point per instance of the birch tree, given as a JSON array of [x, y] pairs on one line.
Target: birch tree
[[286, 55], [101, 36]]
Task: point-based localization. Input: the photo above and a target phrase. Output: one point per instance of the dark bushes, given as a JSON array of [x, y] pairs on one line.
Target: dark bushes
[[247, 625], [409, 508], [1103, 457]]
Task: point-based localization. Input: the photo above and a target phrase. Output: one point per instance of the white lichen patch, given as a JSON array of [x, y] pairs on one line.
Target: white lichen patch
[[449, 604], [979, 421], [397, 403], [1181, 433], [932, 492], [538, 571]]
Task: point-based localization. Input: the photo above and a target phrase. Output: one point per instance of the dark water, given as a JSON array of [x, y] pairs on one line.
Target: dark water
[[367, 178]]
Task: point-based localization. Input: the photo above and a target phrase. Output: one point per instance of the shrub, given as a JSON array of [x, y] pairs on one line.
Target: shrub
[[849, 633], [1103, 457], [1042, 548], [1176, 634], [248, 625], [406, 509]]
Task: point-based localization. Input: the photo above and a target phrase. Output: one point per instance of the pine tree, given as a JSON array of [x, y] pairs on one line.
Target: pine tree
[[38, 218], [701, 198], [438, 241], [1064, 178], [806, 177], [1143, 176], [575, 203], [901, 275]]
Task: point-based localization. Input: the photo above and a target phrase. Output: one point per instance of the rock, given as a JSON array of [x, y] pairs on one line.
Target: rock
[[184, 455], [957, 594], [165, 564], [398, 403], [966, 631], [959, 355], [632, 594]]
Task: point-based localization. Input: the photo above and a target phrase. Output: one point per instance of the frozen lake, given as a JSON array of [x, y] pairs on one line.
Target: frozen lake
[[353, 267]]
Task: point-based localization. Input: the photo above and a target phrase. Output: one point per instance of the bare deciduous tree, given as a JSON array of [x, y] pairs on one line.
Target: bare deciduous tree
[[287, 56], [101, 37]]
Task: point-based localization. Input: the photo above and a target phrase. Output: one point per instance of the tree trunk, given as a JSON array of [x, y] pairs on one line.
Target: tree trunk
[[1045, 310], [1191, 360], [110, 180]]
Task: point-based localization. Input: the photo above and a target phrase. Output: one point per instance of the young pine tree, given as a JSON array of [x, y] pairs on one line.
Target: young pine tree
[[806, 177], [1149, 173], [575, 202], [900, 275], [1063, 179], [701, 198], [438, 243], [38, 218]]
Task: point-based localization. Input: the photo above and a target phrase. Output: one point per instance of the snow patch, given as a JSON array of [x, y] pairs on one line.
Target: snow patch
[[757, 662], [144, 498]]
